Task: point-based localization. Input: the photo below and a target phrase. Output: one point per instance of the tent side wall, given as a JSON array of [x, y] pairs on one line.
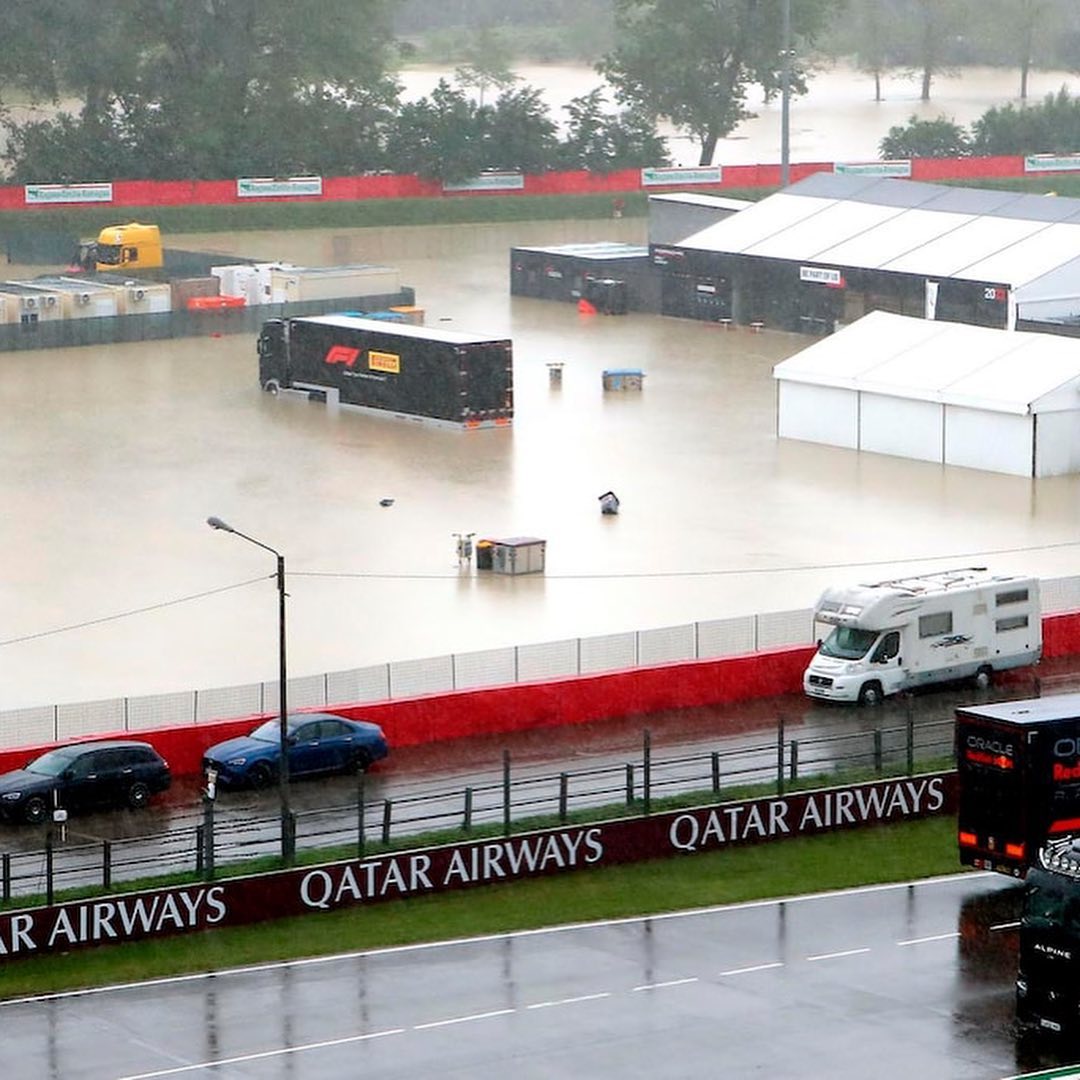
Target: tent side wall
[[1057, 443], [820, 414], [998, 442], [901, 427]]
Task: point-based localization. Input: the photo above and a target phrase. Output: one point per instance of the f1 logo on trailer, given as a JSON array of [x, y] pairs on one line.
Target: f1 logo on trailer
[[341, 354]]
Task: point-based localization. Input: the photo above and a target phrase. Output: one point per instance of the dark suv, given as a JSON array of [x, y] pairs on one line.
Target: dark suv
[[83, 776]]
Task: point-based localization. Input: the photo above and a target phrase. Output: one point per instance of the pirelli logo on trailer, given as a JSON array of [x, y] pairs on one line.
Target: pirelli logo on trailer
[[384, 361]]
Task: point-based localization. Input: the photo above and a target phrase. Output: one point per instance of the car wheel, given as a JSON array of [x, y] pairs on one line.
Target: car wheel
[[138, 795], [35, 810], [871, 694], [984, 677], [261, 775], [361, 762]]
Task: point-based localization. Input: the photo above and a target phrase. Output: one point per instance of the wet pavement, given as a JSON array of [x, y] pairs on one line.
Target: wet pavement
[[112, 457], [894, 981]]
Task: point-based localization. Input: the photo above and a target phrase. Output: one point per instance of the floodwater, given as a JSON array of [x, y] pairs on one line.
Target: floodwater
[[836, 120], [112, 457]]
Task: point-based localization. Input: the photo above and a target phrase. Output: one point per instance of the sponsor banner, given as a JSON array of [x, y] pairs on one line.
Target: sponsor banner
[[269, 188], [1040, 163], [822, 275], [402, 875], [384, 361], [44, 194], [492, 181], [898, 167], [698, 174]]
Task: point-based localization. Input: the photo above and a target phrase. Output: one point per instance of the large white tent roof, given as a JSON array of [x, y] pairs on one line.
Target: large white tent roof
[[907, 227], [952, 363]]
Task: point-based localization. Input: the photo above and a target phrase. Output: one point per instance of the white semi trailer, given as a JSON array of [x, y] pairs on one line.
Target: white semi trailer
[[909, 632]]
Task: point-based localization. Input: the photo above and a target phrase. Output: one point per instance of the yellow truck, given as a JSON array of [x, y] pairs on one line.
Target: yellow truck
[[122, 248]]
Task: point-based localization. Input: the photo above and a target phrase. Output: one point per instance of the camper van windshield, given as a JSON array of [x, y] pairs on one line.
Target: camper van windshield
[[848, 643]]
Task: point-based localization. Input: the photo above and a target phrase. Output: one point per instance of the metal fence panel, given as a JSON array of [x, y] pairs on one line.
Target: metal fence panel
[[229, 701], [725, 637], [1060, 595], [358, 684], [666, 645], [27, 727], [411, 677], [608, 652], [489, 667], [778, 628], [161, 710], [303, 692], [548, 660], [90, 718]]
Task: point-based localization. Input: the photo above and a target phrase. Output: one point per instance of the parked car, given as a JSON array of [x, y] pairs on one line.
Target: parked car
[[318, 743], [82, 776]]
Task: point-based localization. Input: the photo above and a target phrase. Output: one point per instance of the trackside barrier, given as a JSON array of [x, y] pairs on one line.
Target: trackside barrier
[[518, 688]]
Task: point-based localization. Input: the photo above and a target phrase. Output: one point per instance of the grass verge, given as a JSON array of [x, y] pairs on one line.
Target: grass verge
[[810, 864]]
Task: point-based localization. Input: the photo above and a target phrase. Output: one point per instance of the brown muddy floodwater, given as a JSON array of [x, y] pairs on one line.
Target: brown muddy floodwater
[[112, 457]]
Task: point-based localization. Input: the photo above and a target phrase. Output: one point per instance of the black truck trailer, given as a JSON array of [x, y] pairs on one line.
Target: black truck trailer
[[384, 367], [1018, 771]]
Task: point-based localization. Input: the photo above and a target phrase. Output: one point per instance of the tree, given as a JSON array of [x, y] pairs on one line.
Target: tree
[[932, 28], [692, 60], [940, 138], [205, 87], [488, 64], [1050, 128], [601, 141], [872, 27]]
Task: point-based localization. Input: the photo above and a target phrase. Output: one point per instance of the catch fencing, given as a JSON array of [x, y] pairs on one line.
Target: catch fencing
[[773, 763], [486, 669]]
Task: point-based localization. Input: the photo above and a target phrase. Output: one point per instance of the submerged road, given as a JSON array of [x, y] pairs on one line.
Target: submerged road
[[893, 981]]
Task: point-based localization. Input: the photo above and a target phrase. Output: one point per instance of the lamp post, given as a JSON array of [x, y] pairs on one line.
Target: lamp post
[[287, 835], [785, 95]]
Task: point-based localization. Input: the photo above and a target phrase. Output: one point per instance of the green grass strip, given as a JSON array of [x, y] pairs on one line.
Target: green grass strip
[[806, 865]]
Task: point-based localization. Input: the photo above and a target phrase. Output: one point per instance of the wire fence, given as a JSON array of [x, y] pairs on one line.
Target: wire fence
[[501, 802], [567, 658]]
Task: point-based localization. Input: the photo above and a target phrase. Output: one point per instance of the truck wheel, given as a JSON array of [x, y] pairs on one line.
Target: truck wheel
[[984, 677], [271, 386], [871, 694]]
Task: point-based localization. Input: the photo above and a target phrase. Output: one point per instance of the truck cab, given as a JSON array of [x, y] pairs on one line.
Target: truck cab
[[122, 249]]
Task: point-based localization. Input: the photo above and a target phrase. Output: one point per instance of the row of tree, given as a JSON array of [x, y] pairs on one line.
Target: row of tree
[[217, 88]]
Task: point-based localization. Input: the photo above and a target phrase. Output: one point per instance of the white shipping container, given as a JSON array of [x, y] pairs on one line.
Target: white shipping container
[[297, 283]]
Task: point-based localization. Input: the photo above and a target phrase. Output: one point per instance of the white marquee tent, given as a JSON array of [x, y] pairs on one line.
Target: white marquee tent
[[998, 400]]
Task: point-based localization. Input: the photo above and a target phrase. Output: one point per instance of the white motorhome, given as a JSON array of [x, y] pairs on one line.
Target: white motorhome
[[897, 635]]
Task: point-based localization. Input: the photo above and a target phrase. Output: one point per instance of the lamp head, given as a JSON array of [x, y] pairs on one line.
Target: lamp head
[[217, 523]]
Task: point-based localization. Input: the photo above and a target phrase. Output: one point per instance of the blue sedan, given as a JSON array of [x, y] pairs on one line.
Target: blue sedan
[[317, 743]]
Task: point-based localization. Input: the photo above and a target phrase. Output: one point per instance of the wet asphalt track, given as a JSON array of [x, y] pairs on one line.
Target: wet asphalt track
[[898, 981]]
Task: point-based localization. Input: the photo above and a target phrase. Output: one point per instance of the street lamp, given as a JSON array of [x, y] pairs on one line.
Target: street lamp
[[287, 835]]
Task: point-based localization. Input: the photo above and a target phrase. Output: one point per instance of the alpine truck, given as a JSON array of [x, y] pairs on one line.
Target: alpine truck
[[1048, 975], [1018, 777], [390, 368], [914, 631]]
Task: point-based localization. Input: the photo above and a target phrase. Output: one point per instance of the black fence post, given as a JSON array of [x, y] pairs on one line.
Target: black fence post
[[208, 837], [506, 792], [387, 809], [200, 848], [646, 767], [878, 757], [360, 794], [106, 864], [910, 734], [466, 823], [49, 883], [6, 859], [716, 772], [564, 797], [629, 783], [793, 761], [780, 755]]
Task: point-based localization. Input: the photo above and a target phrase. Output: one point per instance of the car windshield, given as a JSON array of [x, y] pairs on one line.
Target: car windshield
[[51, 764], [268, 732], [848, 643]]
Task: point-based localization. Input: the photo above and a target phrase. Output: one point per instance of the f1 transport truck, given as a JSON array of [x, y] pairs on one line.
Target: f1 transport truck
[[1018, 772], [396, 368]]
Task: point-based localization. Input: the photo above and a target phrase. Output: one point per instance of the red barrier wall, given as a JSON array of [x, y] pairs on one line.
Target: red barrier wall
[[129, 193]]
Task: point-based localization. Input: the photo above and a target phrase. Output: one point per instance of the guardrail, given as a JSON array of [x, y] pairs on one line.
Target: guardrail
[[547, 661], [496, 803]]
